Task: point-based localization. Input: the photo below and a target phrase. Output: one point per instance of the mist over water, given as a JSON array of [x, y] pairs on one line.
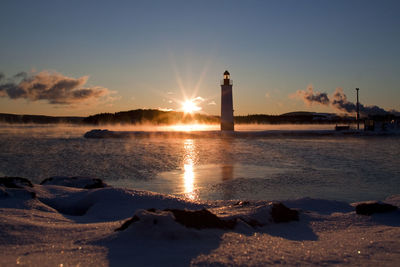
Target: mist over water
[[342, 168]]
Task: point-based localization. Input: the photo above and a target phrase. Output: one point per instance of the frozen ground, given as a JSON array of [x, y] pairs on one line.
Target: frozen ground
[[71, 226]]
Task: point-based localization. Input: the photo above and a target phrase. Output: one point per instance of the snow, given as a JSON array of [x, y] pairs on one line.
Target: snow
[[67, 226]]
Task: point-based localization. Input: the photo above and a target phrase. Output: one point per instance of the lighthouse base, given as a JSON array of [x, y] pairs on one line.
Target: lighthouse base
[[227, 126]]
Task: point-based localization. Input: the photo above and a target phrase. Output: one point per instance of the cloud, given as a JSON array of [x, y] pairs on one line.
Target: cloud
[[198, 100], [165, 109], [212, 103], [52, 87], [339, 101]]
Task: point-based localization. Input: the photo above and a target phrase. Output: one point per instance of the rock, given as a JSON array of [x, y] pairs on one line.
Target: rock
[[98, 133], [97, 183], [198, 219], [127, 223], [77, 182], [280, 213], [374, 207], [16, 187], [242, 203], [15, 182], [201, 219]]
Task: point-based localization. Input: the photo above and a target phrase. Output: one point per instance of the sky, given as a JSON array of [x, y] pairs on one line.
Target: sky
[[86, 57]]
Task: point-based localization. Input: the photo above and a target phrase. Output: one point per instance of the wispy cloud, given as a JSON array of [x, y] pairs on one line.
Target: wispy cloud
[[198, 100], [165, 109]]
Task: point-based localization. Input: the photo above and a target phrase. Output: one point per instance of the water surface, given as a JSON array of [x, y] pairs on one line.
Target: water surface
[[352, 168]]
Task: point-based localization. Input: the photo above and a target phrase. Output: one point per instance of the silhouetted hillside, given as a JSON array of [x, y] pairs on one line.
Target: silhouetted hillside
[[150, 116], [293, 117], [13, 118], [158, 117]]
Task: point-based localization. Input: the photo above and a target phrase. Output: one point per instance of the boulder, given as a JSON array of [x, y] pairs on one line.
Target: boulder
[[16, 187], [201, 219], [127, 223], [15, 182], [198, 219], [280, 213], [76, 181], [374, 207]]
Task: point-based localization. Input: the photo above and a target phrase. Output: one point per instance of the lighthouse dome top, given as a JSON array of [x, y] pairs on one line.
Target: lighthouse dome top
[[226, 75]]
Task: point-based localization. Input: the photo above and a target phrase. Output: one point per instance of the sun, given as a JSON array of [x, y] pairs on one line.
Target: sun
[[189, 106]]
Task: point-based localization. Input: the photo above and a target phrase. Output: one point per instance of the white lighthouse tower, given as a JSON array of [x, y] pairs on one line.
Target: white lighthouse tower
[[226, 104]]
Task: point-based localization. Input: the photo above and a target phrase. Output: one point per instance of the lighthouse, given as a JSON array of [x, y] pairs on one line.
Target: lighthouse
[[226, 103]]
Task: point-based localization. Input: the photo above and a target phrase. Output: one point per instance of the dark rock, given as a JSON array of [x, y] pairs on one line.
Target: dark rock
[[46, 181], [280, 213], [375, 207], [15, 182], [252, 222], [242, 203], [201, 219], [198, 219], [204, 219], [97, 183], [16, 187], [75, 181], [127, 223]]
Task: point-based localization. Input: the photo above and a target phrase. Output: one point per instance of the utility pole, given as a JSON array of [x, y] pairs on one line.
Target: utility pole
[[358, 111]]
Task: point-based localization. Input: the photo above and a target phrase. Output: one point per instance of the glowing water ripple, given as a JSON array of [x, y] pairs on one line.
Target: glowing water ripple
[[188, 174]]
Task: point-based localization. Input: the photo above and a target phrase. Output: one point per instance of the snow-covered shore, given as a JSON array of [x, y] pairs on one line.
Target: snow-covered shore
[[62, 223]]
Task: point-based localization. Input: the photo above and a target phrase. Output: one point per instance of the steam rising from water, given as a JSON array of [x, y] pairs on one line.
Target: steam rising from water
[[339, 101], [77, 131], [310, 97]]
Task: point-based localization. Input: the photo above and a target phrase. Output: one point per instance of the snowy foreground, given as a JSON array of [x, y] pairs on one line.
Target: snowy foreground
[[60, 223]]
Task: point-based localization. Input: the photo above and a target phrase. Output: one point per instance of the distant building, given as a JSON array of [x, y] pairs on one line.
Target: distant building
[[382, 123], [227, 123]]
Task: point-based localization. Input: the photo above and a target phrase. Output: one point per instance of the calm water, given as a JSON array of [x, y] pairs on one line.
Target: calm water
[[270, 168]]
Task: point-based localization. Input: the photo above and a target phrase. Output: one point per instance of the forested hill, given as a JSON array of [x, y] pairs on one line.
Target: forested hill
[[14, 118], [158, 117], [150, 116]]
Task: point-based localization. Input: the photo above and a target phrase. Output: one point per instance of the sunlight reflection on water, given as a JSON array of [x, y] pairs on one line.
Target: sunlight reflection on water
[[188, 175]]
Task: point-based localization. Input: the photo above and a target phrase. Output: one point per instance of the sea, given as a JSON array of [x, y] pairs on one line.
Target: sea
[[271, 167]]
